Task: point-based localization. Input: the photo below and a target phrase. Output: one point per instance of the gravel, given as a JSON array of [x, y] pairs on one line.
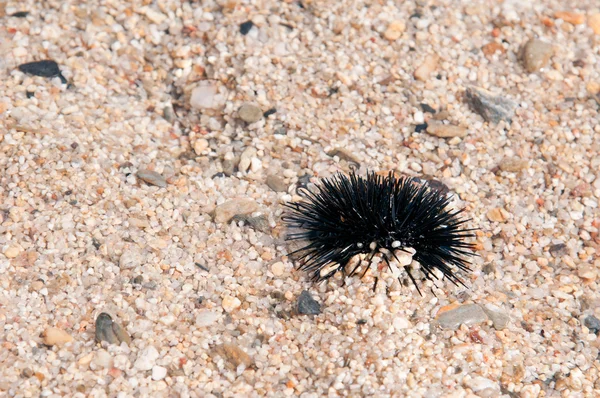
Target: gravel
[[77, 226]]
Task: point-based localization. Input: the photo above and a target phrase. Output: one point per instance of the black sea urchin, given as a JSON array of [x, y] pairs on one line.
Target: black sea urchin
[[351, 215]]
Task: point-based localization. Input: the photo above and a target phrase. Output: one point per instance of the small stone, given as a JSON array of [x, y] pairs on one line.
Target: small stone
[[426, 68], [26, 373], [469, 314], [152, 178], [492, 48], [206, 318], [513, 164], [593, 324], [535, 55], [131, 258], [278, 268], [12, 251], [343, 154], [250, 113], [103, 359], [499, 319], [146, 358], [401, 323], [206, 96], [200, 146], [56, 336], [109, 331], [574, 18], [558, 250], [445, 130], [226, 211], [587, 273], [86, 359], [158, 373], [276, 183], [235, 355], [593, 22], [479, 383], [246, 158], [230, 303], [259, 223], [493, 108], [395, 30], [45, 68], [307, 305], [245, 27], [497, 215], [593, 88]]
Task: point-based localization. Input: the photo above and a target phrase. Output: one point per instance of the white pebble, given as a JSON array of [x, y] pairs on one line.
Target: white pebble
[[146, 358], [158, 373]]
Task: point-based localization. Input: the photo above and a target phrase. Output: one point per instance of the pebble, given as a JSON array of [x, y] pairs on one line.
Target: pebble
[[250, 113], [130, 258], [235, 355], [535, 55], [445, 130], [307, 305], [230, 303], [512, 164], [401, 323], [110, 331], [206, 96], [226, 211], [158, 373], [259, 223], [468, 314], [426, 68], [558, 250], [497, 214], [344, 155], [206, 318], [146, 358], [103, 359], [499, 319], [12, 251], [493, 108], [479, 383], [246, 158], [574, 18], [593, 324], [276, 183], [594, 23], [245, 27], [394, 30], [152, 178], [56, 336], [278, 268], [492, 48], [45, 68], [200, 146]]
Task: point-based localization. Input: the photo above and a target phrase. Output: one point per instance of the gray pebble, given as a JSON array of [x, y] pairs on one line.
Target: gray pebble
[[276, 183], [109, 331], [493, 108], [535, 54], [259, 223], [469, 314], [152, 178], [558, 250], [499, 319], [250, 113], [308, 305], [592, 323]]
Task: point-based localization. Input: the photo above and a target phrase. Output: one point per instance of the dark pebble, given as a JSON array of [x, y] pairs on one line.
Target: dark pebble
[[245, 27], [438, 186], [138, 280], [219, 175], [308, 305], [427, 108], [109, 331], [202, 267], [592, 323], [29, 94], [420, 127], [46, 68], [26, 373], [558, 250], [303, 181], [493, 108], [269, 112], [258, 223], [20, 14]]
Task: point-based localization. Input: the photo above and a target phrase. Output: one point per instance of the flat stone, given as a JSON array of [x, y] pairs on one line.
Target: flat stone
[[146, 358], [152, 178], [103, 359], [593, 22], [427, 67], [276, 183], [206, 96], [259, 223], [229, 303], [12, 251], [226, 211], [479, 383], [498, 318], [344, 155], [158, 373], [109, 331], [235, 355], [250, 113], [468, 314], [574, 18], [206, 318], [535, 54], [512, 164], [493, 108], [56, 336], [445, 130], [131, 258], [307, 305]]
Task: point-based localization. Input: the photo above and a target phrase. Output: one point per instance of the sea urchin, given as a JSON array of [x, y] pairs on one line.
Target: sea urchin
[[400, 218]]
